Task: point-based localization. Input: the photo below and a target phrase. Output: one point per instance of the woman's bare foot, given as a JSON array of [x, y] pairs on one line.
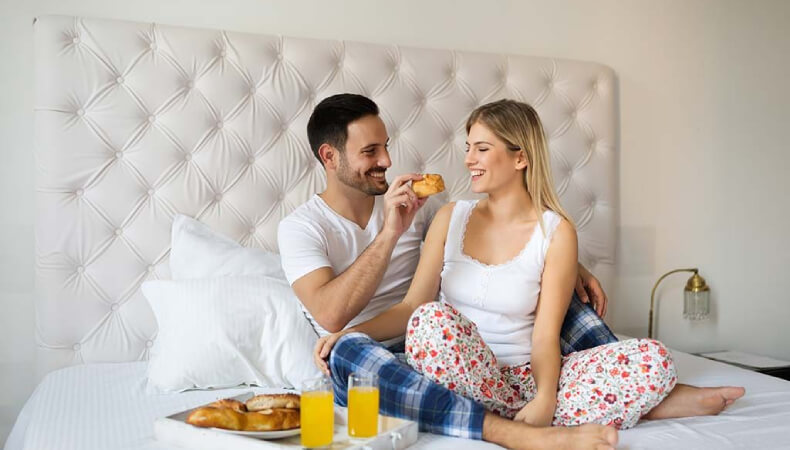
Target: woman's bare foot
[[687, 401], [519, 435]]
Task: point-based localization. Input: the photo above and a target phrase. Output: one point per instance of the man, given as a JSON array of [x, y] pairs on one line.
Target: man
[[350, 253]]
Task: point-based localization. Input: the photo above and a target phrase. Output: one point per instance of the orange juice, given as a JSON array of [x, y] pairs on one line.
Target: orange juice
[[363, 411], [318, 419]]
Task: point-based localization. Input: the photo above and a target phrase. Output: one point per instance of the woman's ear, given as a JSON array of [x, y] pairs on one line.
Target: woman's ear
[[327, 154], [521, 161]]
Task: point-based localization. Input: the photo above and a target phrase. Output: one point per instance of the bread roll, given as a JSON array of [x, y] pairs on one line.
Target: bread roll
[[270, 401]]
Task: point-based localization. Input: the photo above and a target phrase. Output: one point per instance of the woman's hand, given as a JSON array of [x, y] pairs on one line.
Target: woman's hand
[[323, 347], [538, 412]]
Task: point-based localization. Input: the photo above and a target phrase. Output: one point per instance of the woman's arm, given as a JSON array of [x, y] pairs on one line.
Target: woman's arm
[[556, 288], [423, 289]]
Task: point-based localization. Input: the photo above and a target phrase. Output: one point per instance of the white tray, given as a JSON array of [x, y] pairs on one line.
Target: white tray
[[393, 434]]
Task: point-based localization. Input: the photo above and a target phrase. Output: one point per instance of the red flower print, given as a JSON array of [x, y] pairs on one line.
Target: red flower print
[[625, 374], [599, 369], [652, 387], [567, 395], [602, 406], [610, 398], [439, 371], [500, 384], [473, 363], [517, 371], [664, 363], [438, 314], [467, 331], [429, 369], [618, 422], [490, 382], [598, 392], [415, 321], [640, 389], [461, 370], [662, 351], [647, 358], [421, 354], [645, 367], [580, 412], [485, 390], [622, 359], [614, 372], [447, 335], [433, 353], [451, 386], [642, 348]]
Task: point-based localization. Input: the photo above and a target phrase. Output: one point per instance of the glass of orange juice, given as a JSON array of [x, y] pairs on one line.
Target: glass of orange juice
[[317, 413], [363, 405]]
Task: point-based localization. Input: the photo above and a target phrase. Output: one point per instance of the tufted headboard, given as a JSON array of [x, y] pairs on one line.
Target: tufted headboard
[[136, 122]]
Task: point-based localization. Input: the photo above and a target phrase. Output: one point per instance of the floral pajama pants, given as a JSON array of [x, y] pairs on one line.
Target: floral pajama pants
[[613, 384]]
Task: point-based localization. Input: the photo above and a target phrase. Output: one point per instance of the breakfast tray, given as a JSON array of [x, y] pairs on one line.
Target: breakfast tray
[[394, 434]]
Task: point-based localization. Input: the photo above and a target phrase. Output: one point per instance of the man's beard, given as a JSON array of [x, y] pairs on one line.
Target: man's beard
[[360, 182]]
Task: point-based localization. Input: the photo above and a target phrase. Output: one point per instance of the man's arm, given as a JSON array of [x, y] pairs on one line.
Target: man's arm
[[335, 299], [590, 290]]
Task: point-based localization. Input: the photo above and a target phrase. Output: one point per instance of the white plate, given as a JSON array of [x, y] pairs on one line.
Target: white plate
[[263, 434]]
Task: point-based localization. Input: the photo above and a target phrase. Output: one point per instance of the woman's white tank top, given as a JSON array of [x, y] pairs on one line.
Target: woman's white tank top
[[500, 299]]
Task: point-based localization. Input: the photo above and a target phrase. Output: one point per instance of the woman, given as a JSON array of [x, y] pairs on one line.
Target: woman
[[504, 268]]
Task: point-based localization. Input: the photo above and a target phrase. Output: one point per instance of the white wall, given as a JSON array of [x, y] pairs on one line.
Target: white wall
[[704, 95]]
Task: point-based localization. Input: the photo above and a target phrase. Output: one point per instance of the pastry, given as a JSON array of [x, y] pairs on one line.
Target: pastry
[[270, 401], [430, 184]]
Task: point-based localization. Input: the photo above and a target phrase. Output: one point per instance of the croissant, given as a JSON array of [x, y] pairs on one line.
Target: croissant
[[430, 184], [226, 418]]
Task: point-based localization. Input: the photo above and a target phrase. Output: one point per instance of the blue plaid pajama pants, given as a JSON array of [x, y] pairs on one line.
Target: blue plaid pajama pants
[[405, 393]]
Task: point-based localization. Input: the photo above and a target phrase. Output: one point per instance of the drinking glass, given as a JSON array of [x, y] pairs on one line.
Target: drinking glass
[[317, 413], [363, 405]]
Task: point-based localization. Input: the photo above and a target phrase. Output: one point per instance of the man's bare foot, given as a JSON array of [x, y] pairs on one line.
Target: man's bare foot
[[687, 401], [519, 435]]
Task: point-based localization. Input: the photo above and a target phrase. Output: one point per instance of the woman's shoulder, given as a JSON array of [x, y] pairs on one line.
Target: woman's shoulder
[[563, 231]]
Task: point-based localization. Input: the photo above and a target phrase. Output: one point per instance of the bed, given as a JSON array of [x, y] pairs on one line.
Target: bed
[[135, 123]]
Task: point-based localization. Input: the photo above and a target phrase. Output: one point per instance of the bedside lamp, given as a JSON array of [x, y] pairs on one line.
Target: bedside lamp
[[696, 304]]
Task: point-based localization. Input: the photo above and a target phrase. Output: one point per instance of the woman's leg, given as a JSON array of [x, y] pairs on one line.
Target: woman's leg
[[687, 401], [614, 384], [445, 347]]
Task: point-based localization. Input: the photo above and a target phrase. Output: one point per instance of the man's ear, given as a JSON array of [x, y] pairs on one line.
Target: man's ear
[[328, 156]]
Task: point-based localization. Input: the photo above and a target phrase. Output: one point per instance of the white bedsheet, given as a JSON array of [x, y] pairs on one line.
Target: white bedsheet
[[106, 406]]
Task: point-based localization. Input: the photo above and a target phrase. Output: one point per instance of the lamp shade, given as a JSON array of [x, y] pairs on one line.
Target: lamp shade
[[696, 304]]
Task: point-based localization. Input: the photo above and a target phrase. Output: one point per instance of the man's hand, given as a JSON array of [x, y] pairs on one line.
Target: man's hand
[[538, 412], [589, 290], [401, 204], [323, 347]]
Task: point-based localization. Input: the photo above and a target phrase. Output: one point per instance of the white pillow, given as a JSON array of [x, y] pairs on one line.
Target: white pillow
[[227, 331], [197, 251]]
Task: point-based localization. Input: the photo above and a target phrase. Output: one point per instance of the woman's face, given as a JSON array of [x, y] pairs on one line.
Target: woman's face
[[491, 164]]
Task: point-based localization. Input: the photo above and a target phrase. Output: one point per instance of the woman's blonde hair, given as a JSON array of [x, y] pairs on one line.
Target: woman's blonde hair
[[519, 126]]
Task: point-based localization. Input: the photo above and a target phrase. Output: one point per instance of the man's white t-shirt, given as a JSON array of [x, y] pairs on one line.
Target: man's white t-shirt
[[315, 236]]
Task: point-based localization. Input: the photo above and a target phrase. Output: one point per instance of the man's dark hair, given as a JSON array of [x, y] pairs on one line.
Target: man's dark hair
[[329, 122]]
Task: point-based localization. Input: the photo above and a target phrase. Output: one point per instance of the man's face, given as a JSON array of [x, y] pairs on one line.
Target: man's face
[[365, 159]]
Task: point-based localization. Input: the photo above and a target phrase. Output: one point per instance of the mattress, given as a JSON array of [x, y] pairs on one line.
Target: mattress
[[107, 406]]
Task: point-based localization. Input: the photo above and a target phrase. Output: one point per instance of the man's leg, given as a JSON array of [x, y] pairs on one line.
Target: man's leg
[[406, 394], [403, 392], [583, 328]]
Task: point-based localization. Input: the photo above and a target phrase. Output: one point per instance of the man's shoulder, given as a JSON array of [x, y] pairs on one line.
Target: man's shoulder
[[307, 212]]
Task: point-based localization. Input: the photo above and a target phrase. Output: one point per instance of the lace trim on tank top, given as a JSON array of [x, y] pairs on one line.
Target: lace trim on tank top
[[477, 262]]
